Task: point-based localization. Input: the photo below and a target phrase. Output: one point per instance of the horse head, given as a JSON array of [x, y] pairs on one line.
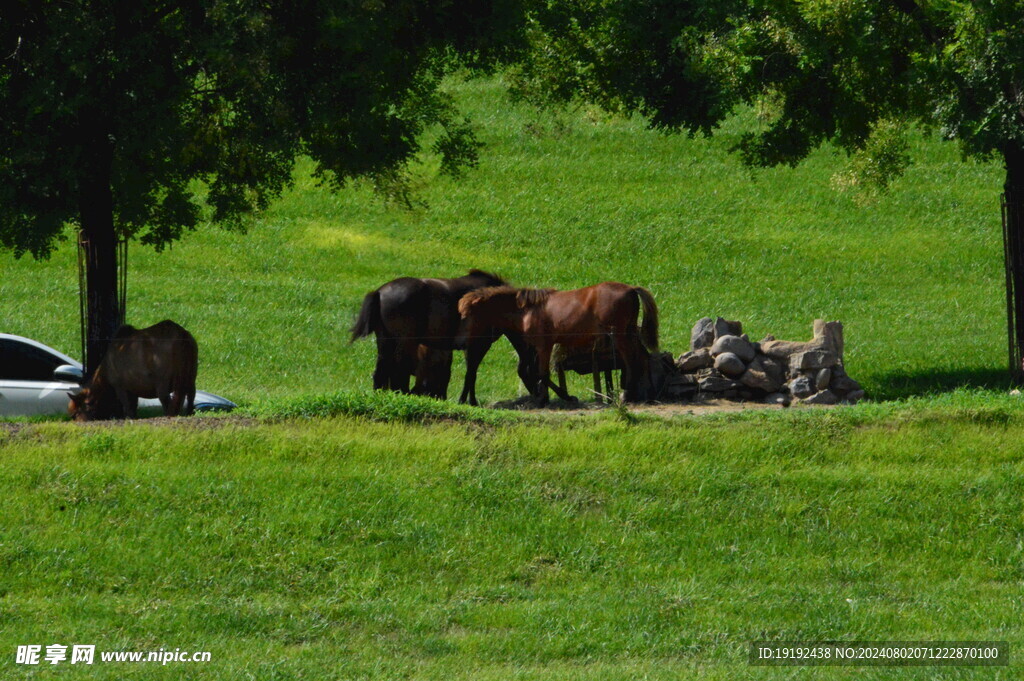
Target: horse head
[[94, 402], [87, 405], [76, 406]]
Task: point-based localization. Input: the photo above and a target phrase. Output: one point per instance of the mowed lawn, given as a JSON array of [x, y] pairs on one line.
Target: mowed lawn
[[596, 549], [567, 200]]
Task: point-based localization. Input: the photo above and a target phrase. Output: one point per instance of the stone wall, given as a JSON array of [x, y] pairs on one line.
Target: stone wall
[[723, 362]]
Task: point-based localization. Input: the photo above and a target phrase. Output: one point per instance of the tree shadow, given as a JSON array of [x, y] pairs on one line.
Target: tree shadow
[[902, 384]]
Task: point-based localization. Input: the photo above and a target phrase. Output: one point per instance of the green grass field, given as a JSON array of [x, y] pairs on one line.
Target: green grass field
[[324, 533], [352, 549]]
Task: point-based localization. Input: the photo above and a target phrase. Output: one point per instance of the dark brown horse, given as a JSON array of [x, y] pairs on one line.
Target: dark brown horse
[[433, 372], [159, 361], [595, 360], [407, 313], [574, 319]]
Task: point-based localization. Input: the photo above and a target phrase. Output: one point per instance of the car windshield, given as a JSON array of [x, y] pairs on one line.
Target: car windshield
[[24, 362]]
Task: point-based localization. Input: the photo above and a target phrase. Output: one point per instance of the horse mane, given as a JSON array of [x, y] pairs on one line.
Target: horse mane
[[490, 276], [480, 295], [524, 297], [528, 297]]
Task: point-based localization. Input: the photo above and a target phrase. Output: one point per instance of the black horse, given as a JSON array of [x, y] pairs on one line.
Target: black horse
[[407, 313]]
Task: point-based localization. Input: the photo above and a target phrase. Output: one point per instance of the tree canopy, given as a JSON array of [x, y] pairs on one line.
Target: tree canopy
[[226, 91], [640, 56], [111, 111]]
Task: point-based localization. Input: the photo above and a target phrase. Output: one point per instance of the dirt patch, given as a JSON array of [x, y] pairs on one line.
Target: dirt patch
[[696, 407]]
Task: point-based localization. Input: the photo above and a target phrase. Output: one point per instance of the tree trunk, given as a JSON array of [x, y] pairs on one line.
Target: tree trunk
[[96, 208]]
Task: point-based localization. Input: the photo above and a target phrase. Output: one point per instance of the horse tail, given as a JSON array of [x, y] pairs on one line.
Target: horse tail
[[369, 317], [649, 329]]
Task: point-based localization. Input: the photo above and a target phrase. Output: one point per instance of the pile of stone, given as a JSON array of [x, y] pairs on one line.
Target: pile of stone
[[723, 362]]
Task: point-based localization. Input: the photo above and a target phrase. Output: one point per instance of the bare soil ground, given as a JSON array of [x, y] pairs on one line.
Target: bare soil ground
[[696, 407]]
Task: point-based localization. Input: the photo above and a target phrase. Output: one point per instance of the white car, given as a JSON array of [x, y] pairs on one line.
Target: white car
[[36, 379]]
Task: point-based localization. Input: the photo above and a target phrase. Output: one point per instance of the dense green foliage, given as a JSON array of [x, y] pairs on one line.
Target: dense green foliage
[[837, 72], [151, 96], [595, 549], [846, 71], [642, 56]]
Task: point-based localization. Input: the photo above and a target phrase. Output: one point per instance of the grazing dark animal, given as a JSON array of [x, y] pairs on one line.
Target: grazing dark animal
[[433, 372], [575, 319], [598, 358], [406, 313], [160, 361]]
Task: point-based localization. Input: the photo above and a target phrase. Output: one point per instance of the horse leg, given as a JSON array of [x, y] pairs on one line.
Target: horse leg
[[527, 365], [404, 366], [190, 394], [609, 384], [129, 403], [544, 369], [624, 351], [475, 351], [386, 348], [629, 347], [170, 399], [180, 402], [442, 377]]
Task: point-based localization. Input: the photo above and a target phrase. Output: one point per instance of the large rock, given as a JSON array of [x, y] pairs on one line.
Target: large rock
[[713, 381], [801, 387], [729, 363], [682, 379], [822, 378], [758, 378], [782, 349], [811, 359], [823, 397], [775, 369], [737, 345], [724, 327], [841, 383], [829, 336], [680, 391], [703, 334], [696, 359], [661, 368]]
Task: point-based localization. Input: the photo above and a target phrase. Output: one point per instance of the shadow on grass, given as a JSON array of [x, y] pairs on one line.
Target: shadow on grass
[[902, 384]]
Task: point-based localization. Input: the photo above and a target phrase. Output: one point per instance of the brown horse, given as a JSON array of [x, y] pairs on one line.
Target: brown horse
[[160, 361], [407, 313], [574, 319]]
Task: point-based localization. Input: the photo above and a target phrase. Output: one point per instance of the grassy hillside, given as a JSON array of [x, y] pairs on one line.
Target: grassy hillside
[[568, 200], [595, 549], [329, 534]]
